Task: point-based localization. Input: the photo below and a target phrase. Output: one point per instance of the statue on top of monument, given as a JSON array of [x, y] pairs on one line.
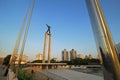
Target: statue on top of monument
[[48, 31]]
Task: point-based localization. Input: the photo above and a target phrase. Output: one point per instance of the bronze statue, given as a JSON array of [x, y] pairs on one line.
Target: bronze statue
[[48, 31]]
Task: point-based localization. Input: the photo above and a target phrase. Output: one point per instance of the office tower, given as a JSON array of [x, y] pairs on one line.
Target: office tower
[[80, 56], [90, 56], [86, 56], [24, 59], [65, 55], [39, 56], [73, 54]]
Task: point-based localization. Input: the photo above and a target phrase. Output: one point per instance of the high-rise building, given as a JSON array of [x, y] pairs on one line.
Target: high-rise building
[[90, 56], [39, 56], [80, 56], [65, 55], [73, 54], [86, 57], [23, 61]]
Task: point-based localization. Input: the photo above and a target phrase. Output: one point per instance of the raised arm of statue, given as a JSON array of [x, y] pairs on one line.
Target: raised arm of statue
[[48, 31]]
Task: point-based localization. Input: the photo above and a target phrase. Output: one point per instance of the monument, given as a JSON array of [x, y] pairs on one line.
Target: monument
[[47, 34]]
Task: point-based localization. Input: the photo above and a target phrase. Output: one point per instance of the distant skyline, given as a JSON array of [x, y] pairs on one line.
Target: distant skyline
[[69, 21]]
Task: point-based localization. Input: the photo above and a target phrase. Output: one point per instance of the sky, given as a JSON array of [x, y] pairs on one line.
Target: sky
[[69, 21]]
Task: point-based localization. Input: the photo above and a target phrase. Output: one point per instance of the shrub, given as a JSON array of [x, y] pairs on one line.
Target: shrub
[[24, 75]]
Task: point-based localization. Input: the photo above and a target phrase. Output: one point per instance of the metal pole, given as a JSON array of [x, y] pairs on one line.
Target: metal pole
[[105, 45], [25, 36], [26, 33], [16, 47]]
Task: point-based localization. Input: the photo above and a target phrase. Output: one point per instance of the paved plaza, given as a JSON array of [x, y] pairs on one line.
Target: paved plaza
[[1, 74], [65, 74]]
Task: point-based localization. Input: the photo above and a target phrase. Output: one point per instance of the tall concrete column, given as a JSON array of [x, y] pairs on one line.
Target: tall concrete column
[[49, 48], [44, 50], [105, 44]]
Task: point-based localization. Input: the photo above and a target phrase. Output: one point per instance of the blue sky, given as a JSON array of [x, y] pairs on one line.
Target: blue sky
[[69, 21]]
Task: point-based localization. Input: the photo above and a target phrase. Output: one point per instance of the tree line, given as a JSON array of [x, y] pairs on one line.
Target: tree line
[[76, 61]]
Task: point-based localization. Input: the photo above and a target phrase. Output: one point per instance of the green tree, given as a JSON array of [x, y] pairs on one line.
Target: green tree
[[52, 61], [24, 75], [37, 61]]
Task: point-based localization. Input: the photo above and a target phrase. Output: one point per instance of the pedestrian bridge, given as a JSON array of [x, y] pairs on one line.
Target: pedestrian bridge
[[46, 65]]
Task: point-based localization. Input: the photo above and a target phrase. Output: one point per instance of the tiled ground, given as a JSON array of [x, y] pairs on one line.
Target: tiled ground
[[65, 74]]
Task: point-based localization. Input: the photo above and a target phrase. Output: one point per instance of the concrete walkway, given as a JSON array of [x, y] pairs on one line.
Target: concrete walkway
[[65, 74], [1, 74]]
